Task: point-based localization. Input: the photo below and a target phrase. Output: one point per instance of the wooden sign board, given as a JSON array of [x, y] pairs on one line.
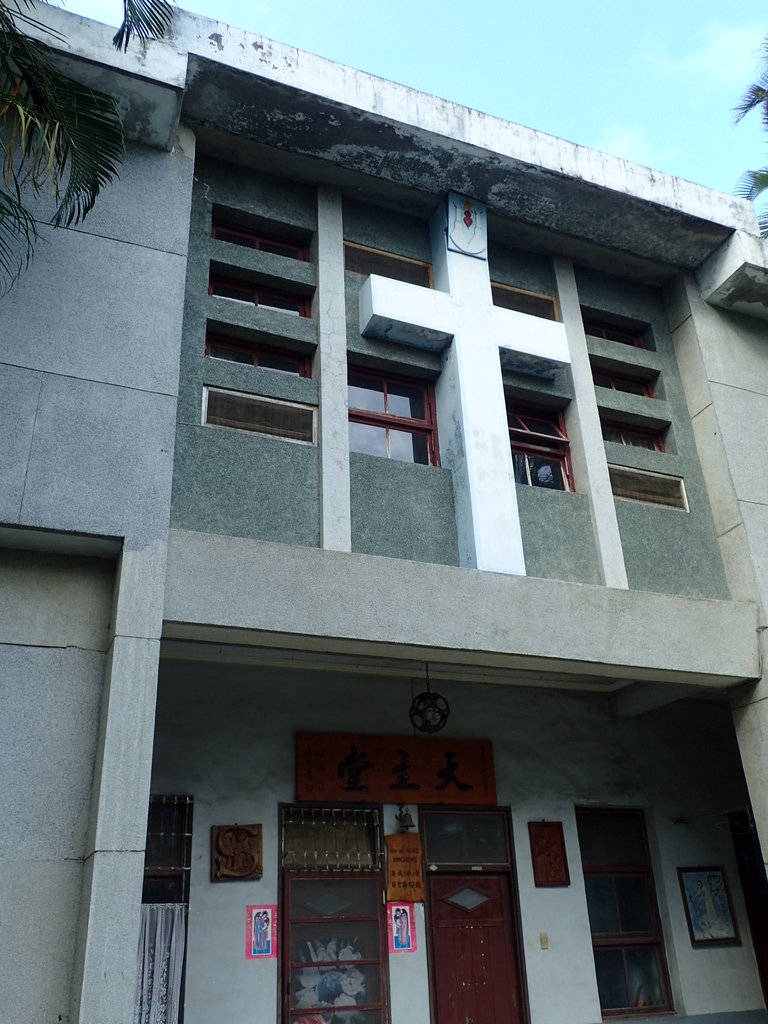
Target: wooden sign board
[[347, 768], [404, 876]]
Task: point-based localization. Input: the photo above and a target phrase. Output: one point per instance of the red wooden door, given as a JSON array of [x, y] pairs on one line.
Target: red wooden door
[[475, 973]]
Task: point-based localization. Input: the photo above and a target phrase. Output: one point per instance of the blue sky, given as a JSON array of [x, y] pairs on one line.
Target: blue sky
[[653, 82]]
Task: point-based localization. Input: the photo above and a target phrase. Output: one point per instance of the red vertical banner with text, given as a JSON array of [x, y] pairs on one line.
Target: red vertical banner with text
[[405, 881]]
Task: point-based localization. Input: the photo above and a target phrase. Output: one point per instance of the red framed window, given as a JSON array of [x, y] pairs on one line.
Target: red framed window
[[617, 382], [334, 932], [540, 449], [267, 298], [627, 942], [624, 336], [280, 360], [393, 418], [633, 437], [251, 239]]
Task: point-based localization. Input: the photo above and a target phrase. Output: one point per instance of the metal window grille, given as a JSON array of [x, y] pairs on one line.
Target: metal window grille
[[168, 857], [331, 839]]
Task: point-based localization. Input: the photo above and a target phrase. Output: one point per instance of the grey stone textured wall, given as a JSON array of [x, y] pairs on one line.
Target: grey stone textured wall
[[233, 481], [665, 549], [54, 628]]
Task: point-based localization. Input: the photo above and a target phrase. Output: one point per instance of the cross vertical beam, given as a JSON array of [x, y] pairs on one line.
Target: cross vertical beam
[[458, 318]]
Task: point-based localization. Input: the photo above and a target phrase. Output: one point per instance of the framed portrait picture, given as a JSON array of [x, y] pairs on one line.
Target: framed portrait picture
[[261, 932], [401, 928], [708, 907], [550, 863]]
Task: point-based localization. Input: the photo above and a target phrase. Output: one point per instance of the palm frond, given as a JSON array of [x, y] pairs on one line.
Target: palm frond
[[144, 19], [756, 94], [18, 233], [752, 184]]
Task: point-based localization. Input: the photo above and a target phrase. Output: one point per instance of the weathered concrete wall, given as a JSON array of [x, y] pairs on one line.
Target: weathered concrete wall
[[552, 753], [89, 363], [54, 632], [402, 511]]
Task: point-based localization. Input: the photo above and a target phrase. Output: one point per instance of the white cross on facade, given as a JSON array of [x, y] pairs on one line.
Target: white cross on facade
[[458, 318]]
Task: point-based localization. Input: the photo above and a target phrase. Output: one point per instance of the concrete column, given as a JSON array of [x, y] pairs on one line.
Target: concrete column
[[331, 369], [722, 368], [105, 966], [583, 424]]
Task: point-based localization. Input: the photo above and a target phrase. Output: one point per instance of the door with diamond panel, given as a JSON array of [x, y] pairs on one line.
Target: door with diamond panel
[[474, 963]]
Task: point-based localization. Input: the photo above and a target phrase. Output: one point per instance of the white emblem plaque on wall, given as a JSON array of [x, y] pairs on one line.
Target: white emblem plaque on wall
[[467, 226]]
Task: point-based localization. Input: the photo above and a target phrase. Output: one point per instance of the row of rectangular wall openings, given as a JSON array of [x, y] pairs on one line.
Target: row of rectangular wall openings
[[633, 437], [258, 295], [168, 857], [236, 350], [521, 301], [360, 259], [331, 839], [620, 382], [235, 409], [623, 335], [656, 488], [240, 236]]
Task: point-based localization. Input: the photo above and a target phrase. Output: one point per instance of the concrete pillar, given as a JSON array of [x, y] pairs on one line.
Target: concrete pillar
[[718, 370], [590, 467], [105, 965], [331, 369]]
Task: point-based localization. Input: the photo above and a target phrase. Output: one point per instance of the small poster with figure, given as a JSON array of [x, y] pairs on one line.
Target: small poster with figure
[[261, 932], [401, 928]]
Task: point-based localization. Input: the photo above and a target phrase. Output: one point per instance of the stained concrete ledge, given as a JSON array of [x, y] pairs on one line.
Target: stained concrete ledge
[[235, 590], [241, 86], [736, 276]]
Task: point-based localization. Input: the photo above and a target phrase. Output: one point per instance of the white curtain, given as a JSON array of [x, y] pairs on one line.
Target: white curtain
[[160, 963]]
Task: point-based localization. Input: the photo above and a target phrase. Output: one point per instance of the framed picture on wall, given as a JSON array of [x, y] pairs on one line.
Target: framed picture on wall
[[548, 856], [708, 907]]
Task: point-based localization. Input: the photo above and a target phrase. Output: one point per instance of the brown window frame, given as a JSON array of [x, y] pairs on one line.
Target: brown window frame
[[651, 938], [374, 874], [610, 332], [210, 420], [253, 239], [259, 295], [257, 351], [383, 253], [426, 428], [649, 498], [497, 286], [630, 433], [619, 382], [524, 441]]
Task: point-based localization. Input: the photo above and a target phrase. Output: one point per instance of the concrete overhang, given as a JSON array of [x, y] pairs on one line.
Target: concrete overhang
[[245, 93], [736, 276], [244, 593]]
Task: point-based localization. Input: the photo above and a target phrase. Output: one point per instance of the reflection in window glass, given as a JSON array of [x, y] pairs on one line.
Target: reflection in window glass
[[392, 419]]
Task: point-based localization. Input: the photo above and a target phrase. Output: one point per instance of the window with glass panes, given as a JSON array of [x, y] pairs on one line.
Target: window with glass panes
[[626, 933], [334, 939], [257, 295], [619, 382], [540, 450], [393, 418]]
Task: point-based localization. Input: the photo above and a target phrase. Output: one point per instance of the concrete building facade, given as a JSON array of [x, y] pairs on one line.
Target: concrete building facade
[[343, 394]]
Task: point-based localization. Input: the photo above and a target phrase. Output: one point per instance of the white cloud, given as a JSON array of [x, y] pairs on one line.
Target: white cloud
[[631, 142], [722, 55]]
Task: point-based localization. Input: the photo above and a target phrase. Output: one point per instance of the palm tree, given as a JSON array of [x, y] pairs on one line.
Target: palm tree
[[753, 183], [55, 133]]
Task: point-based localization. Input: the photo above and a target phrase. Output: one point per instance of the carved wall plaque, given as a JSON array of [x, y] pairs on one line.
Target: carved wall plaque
[[236, 852]]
